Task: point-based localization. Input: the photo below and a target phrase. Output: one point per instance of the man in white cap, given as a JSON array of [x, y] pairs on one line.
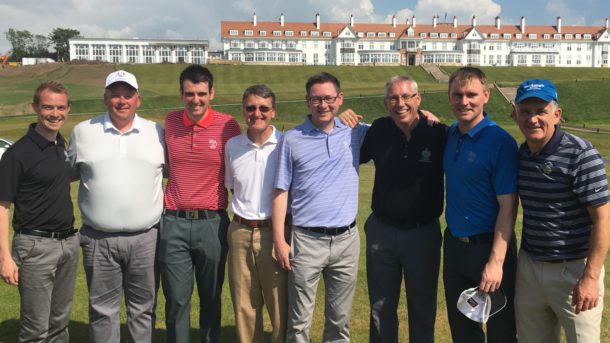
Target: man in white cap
[[563, 188], [120, 157]]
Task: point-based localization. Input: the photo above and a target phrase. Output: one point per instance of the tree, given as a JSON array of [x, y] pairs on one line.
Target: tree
[[22, 41], [60, 38], [40, 46]]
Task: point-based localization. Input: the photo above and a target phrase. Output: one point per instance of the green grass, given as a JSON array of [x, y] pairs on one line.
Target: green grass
[[363, 86]]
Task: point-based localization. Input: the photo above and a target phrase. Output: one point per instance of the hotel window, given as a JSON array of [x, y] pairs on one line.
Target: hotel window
[[444, 35], [180, 54], [348, 44], [293, 58], [495, 36], [518, 36], [315, 33], [519, 45], [491, 47], [277, 33], [433, 35], [326, 34], [536, 59], [532, 36], [371, 46], [249, 44], [422, 35], [248, 32], [196, 55], [315, 58], [115, 53], [234, 44], [360, 34], [568, 36], [82, 52], [263, 45], [578, 47], [260, 57], [546, 36], [381, 34], [262, 33], [327, 45], [453, 35], [557, 36], [233, 33], [236, 57], [303, 33], [578, 36], [568, 59], [164, 53], [149, 54], [506, 36], [291, 44], [521, 59], [277, 44], [392, 34], [289, 33], [99, 52], [550, 59], [249, 57], [370, 34], [587, 36], [360, 45], [578, 59], [569, 47]]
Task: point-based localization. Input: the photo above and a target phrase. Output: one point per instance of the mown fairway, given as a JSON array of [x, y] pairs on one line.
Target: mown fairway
[[584, 102]]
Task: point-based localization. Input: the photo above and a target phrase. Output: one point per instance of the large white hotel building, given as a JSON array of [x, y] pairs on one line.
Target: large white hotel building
[[414, 43]]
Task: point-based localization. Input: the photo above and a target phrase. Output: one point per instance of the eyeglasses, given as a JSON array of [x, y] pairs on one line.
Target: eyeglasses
[[393, 100], [317, 100], [49, 108], [262, 109]]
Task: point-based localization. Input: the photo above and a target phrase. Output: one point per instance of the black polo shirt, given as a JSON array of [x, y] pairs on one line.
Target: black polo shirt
[[35, 176], [409, 183]]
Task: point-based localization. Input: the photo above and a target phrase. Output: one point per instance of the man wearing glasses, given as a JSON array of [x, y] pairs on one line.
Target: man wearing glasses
[[256, 279], [318, 165]]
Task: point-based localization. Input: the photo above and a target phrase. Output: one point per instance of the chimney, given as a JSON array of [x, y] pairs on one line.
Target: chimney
[[434, 21], [317, 21], [454, 21], [474, 21], [394, 21], [414, 22], [498, 22], [254, 19], [558, 24], [282, 19], [522, 25], [351, 20], [606, 24], [408, 21]]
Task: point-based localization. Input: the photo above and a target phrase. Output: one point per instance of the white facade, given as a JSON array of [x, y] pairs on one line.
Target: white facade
[[410, 43], [139, 50]]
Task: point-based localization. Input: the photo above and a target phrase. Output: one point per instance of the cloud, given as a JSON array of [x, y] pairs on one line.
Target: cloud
[[559, 8], [484, 10]]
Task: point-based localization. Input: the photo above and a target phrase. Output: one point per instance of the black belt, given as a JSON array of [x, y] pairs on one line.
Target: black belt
[[50, 234], [565, 260], [482, 238], [407, 226], [333, 231], [193, 214], [253, 224]]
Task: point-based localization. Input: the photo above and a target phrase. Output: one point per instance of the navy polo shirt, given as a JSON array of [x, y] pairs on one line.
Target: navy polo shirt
[[479, 166], [409, 186], [35, 176]]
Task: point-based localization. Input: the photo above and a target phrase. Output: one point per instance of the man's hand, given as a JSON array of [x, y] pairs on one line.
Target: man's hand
[[431, 119], [585, 294], [350, 118], [282, 254], [9, 271], [491, 277]]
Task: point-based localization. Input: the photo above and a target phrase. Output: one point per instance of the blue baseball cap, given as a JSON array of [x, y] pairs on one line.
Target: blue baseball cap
[[536, 88]]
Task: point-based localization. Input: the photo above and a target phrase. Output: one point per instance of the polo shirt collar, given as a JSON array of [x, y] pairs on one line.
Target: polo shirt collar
[[205, 122], [42, 142], [308, 125], [273, 139], [476, 130], [135, 126], [551, 147]]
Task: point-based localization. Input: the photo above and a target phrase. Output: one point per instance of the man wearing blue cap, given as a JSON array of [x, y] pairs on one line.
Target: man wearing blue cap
[[563, 188]]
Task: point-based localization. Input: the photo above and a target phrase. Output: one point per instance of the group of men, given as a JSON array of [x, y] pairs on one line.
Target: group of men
[[294, 205]]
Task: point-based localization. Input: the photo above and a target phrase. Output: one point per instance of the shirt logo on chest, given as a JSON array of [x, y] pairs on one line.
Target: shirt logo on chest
[[425, 156], [546, 168], [213, 144], [472, 156]]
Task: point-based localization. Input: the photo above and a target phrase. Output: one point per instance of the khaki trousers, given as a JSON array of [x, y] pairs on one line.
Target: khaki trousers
[[543, 303], [256, 281]]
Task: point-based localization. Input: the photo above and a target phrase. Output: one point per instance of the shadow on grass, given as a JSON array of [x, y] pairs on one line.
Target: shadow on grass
[[79, 332]]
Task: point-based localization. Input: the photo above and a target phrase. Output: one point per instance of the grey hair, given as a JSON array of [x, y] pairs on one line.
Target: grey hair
[[400, 78]]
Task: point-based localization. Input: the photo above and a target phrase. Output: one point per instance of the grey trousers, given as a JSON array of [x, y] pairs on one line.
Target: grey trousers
[[394, 254], [117, 263], [336, 259], [47, 272]]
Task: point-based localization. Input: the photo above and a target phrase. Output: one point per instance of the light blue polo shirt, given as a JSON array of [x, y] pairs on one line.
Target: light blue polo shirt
[[479, 165], [321, 172]]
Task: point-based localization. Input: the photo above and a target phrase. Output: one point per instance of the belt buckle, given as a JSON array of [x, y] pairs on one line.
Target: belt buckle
[[191, 214], [464, 239]]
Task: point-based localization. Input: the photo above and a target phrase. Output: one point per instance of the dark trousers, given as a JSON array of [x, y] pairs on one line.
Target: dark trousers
[[394, 254], [462, 267], [192, 250]]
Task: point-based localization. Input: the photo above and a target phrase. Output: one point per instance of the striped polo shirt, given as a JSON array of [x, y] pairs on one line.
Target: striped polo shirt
[[556, 186], [196, 160], [321, 172]]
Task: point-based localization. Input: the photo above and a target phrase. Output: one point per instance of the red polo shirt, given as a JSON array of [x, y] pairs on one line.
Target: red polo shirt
[[196, 160]]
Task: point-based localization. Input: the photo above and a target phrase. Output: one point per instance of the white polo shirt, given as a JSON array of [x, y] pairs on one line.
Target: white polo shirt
[[121, 187], [250, 172]]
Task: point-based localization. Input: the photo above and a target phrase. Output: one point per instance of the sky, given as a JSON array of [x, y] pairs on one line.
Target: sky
[[200, 19]]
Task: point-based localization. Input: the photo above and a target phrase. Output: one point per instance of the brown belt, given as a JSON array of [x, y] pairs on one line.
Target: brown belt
[[252, 223]]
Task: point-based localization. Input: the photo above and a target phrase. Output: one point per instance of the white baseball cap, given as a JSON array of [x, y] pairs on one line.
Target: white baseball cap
[[122, 76], [479, 306]]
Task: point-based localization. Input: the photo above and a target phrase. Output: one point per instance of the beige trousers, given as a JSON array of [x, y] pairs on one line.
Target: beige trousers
[[256, 281]]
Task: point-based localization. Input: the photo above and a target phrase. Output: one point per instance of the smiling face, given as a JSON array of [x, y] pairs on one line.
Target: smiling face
[[402, 102], [258, 112], [537, 119], [196, 98], [52, 111], [467, 100], [324, 102], [122, 102]]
